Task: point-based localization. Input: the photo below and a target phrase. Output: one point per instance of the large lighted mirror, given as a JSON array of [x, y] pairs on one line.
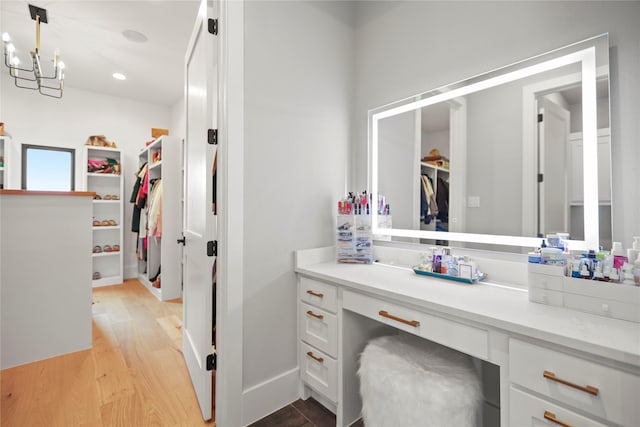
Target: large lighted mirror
[[503, 158]]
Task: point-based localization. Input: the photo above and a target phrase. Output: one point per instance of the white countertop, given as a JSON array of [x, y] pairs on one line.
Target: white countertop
[[500, 307]]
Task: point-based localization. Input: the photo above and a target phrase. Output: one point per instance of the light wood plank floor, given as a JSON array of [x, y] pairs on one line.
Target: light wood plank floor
[[133, 376]]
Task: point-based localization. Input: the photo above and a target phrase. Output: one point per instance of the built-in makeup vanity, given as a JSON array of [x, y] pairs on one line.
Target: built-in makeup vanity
[[539, 364], [568, 367]]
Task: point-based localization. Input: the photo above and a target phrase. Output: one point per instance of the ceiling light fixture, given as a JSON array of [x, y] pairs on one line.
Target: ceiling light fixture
[[35, 78], [119, 76]]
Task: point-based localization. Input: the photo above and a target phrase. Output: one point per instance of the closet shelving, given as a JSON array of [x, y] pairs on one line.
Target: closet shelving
[[434, 172], [107, 214], [163, 157]]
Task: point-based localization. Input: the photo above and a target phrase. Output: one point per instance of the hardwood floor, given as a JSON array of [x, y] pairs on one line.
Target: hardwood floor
[[133, 376]]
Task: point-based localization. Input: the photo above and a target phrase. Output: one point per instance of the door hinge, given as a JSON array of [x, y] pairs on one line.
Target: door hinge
[[539, 118], [540, 177], [213, 26], [212, 248], [211, 362], [212, 136]]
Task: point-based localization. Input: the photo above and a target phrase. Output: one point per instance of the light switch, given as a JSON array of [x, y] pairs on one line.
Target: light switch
[[473, 202]]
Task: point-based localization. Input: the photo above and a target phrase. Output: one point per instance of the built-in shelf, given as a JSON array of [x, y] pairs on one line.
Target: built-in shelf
[[162, 253], [104, 175], [438, 168], [102, 254], [108, 264]]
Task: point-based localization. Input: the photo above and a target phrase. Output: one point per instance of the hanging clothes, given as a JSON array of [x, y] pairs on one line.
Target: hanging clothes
[[155, 209], [442, 199], [428, 205], [137, 209]]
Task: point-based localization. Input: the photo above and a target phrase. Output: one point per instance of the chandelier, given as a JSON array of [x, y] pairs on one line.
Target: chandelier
[[47, 82]]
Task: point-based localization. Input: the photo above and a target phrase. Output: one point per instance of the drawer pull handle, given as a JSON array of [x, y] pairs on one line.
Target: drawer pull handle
[[317, 316], [588, 389], [315, 294], [314, 357], [552, 417], [413, 323]]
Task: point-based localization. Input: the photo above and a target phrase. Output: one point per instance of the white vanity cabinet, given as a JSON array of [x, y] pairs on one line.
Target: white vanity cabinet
[[571, 383], [318, 334], [556, 366]]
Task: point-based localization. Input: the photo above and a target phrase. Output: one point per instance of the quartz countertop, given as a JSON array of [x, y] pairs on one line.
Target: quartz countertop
[[497, 306]]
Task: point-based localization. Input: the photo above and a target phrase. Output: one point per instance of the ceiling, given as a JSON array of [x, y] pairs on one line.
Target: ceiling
[[89, 36]]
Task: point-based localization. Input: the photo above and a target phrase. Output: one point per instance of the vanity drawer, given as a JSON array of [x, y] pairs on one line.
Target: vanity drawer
[[544, 281], [320, 294], [611, 308], [546, 296], [603, 391], [467, 339], [530, 411], [319, 328], [319, 371]]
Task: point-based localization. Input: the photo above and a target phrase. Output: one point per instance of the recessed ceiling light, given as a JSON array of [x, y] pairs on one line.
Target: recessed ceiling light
[[119, 76], [134, 36]]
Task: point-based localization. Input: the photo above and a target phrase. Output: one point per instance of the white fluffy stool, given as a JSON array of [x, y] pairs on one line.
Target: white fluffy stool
[[406, 381]]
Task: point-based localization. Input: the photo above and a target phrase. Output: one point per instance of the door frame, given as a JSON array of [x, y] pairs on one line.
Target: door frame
[[530, 157], [530, 140], [230, 182]]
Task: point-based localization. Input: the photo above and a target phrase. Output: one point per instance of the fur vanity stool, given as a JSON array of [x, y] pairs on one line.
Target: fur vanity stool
[[406, 381]]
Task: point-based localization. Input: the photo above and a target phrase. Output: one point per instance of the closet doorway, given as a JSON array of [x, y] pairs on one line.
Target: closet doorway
[[199, 219]]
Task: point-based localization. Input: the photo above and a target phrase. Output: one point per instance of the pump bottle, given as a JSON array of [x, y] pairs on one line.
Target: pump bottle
[[619, 257]]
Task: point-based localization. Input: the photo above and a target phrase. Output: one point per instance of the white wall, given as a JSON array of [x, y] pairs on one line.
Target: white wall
[[404, 48], [31, 118], [298, 87]]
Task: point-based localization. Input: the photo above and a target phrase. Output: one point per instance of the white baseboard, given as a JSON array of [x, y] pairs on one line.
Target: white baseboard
[[131, 271], [269, 396]]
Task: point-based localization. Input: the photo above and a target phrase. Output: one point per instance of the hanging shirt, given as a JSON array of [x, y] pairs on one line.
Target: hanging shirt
[[155, 209]]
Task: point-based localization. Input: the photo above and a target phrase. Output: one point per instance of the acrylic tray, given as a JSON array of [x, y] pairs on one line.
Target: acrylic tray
[[447, 277]]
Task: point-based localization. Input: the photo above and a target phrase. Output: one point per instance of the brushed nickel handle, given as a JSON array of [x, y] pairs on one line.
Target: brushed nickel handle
[[314, 357], [317, 316], [386, 314], [552, 417], [587, 389], [315, 294]]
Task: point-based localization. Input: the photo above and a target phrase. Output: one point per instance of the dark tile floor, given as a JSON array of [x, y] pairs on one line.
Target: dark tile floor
[[301, 413]]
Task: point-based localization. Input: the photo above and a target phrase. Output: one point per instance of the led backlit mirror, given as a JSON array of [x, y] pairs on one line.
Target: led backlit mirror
[[501, 158]]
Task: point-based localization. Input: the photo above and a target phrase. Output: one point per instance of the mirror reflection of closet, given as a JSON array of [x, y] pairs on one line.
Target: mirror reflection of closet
[[435, 136]]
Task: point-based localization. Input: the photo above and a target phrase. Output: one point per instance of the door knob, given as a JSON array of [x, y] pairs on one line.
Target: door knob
[[183, 241]]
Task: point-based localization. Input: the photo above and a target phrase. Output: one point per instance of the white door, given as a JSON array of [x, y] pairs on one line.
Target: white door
[[553, 210], [199, 221]]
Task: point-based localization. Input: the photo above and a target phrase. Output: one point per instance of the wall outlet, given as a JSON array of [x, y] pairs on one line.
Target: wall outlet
[[473, 202]]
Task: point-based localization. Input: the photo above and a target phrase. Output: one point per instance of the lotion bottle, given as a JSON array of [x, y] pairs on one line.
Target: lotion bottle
[[634, 250]]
